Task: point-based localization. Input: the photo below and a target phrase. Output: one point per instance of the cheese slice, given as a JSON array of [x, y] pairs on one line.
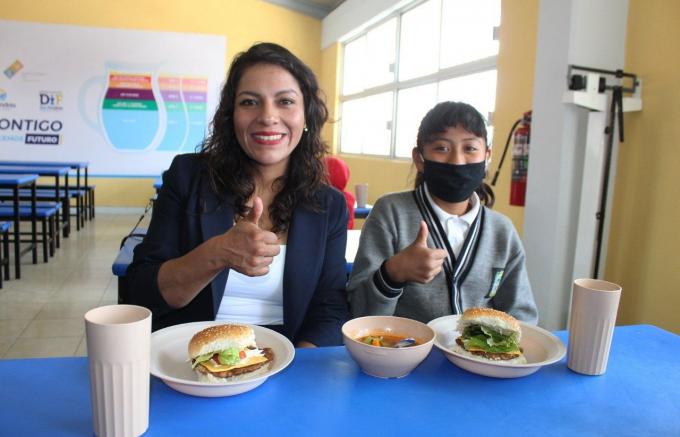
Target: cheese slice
[[248, 361], [479, 349]]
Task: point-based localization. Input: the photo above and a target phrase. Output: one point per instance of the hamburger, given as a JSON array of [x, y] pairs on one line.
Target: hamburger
[[225, 353], [488, 334]]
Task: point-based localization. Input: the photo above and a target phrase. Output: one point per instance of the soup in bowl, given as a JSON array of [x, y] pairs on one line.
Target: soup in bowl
[[371, 342]]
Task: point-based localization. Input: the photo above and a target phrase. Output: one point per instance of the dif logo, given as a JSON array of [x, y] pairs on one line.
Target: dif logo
[[51, 100]]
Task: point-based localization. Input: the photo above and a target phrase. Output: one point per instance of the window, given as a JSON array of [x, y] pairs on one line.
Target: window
[[398, 69], [414, 102], [369, 59], [419, 41], [366, 125]]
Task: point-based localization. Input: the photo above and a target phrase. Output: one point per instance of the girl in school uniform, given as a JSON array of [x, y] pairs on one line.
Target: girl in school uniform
[[440, 249]]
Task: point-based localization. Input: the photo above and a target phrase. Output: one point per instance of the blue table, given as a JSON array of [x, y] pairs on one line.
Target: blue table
[[74, 165], [15, 182], [57, 173], [323, 392], [362, 213]]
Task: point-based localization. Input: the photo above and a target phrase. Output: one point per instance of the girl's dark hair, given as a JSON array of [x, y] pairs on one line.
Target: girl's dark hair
[[454, 114], [231, 170]]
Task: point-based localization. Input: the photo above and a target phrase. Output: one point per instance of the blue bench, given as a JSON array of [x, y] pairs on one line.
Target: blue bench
[[4, 253], [57, 172], [87, 202], [81, 195], [89, 199], [44, 192], [48, 215], [124, 259]]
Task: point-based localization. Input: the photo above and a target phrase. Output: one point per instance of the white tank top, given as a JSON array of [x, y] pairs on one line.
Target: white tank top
[[257, 300]]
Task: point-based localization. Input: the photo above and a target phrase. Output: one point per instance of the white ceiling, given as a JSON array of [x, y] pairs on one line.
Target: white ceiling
[[315, 8]]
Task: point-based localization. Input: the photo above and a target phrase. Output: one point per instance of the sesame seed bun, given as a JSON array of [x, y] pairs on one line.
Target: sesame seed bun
[[495, 319], [221, 337]]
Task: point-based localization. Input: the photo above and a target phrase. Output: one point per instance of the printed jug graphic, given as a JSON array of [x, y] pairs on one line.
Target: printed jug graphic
[[195, 95], [139, 109], [129, 111], [176, 128]]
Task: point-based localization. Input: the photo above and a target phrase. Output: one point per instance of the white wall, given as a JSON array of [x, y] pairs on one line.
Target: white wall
[[577, 32]]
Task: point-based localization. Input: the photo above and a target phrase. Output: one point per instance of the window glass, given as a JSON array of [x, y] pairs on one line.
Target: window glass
[[412, 105], [353, 66], [467, 30], [412, 60], [479, 90], [419, 42], [377, 124], [381, 52], [351, 127], [366, 125]]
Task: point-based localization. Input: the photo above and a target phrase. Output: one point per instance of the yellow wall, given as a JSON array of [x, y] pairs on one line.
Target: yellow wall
[[329, 81], [242, 22], [514, 91], [644, 242]]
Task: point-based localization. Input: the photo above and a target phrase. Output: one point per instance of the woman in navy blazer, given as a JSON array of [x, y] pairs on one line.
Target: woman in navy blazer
[[258, 182]]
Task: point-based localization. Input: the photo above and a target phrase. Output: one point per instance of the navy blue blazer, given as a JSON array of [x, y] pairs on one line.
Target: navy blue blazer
[[188, 212]]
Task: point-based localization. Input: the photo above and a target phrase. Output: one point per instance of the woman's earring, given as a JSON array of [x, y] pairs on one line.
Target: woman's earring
[[305, 128]]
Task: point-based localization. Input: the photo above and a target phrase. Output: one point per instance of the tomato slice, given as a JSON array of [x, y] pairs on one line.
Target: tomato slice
[[242, 354]]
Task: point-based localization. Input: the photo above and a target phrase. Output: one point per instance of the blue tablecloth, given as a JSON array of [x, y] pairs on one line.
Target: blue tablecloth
[[323, 392]]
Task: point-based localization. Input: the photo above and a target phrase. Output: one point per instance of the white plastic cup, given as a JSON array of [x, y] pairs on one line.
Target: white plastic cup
[[594, 304], [361, 194], [118, 351]]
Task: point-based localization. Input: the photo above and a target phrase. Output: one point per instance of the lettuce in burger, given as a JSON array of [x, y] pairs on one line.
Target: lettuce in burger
[[224, 353], [489, 334]]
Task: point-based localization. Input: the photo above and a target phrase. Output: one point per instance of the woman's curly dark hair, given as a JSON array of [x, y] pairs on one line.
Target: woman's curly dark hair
[[231, 170], [452, 114]]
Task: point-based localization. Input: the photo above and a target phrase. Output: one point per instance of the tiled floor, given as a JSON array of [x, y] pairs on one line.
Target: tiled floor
[[41, 314]]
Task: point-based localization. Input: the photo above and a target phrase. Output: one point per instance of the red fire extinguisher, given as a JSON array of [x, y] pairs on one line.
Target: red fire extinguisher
[[520, 161], [520, 135]]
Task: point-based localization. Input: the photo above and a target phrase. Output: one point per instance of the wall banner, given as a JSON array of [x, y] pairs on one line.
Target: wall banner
[[127, 101]]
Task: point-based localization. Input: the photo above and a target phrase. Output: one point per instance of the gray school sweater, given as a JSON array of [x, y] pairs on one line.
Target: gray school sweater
[[393, 225]]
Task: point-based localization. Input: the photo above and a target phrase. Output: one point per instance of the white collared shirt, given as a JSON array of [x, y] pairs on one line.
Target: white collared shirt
[[456, 226]]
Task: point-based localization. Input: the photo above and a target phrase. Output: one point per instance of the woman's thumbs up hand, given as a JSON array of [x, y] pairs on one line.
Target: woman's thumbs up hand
[[246, 247]]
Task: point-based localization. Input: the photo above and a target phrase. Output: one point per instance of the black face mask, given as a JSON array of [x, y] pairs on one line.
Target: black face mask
[[453, 182]]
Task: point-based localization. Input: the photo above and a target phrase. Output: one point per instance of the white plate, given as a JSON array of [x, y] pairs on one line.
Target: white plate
[[169, 359], [540, 347]]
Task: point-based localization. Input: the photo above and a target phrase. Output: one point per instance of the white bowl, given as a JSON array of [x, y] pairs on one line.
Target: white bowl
[[170, 360], [540, 347], [386, 362]]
